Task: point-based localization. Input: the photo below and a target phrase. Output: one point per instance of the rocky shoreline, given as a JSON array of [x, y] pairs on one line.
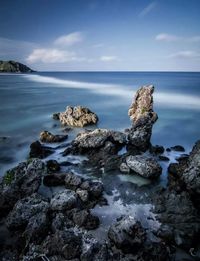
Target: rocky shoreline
[[61, 224]]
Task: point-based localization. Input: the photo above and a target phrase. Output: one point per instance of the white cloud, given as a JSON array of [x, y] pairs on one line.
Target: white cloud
[[167, 37], [185, 55], [49, 55], [150, 7], [194, 39], [108, 58], [98, 45], [69, 39]]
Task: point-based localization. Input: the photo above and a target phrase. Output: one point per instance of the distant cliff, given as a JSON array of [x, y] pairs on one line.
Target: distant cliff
[[14, 67]]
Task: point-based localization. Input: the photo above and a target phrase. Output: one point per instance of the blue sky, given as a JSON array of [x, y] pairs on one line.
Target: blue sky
[[129, 35]]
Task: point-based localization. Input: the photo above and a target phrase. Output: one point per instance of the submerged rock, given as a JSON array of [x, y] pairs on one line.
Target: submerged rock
[[52, 166], [78, 116], [144, 166], [39, 151], [143, 117], [178, 148], [127, 234], [46, 136]]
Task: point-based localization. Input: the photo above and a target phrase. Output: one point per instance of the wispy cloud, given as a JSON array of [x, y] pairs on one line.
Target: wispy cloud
[[99, 45], [49, 55], [185, 55], [165, 37], [106, 58], [69, 39], [147, 9]]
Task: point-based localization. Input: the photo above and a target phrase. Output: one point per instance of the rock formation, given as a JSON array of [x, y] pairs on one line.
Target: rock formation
[[14, 67], [143, 117], [77, 116]]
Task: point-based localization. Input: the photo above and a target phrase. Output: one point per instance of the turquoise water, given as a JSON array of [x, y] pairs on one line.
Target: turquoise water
[[28, 101]]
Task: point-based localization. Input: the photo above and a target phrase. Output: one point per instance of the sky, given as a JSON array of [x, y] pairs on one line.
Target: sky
[[101, 35]]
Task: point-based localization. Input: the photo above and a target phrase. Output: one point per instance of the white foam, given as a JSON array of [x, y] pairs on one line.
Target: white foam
[[162, 99]]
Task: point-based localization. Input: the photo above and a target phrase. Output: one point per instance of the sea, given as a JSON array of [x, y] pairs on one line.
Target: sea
[[27, 102]]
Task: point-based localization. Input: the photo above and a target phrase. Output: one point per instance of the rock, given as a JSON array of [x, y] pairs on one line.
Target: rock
[[163, 158], [78, 116], [52, 180], [182, 157], [127, 234], [178, 148], [83, 218], [67, 129], [52, 166], [172, 168], [19, 182], [25, 209], [61, 222], [94, 188], [63, 200], [97, 138], [157, 149], [39, 151], [143, 117], [144, 166], [168, 149], [176, 211], [56, 116], [124, 168], [83, 194], [14, 67], [46, 136], [72, 180]]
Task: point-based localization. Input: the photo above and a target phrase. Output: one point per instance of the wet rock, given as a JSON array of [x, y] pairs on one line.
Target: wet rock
[[52, 180], [52, 166], [78, 116], [39, 151], [83, 218], [61, 222], [63, 200], [19, 182], [178, 148], [25, 209], [143, 117], [176, 212], [182, 157], [46, 136], [144, 166], [67, 129], [127, 234], [168, 149], [93, 250], [124, 168], [173, 168], [83, 194], [94, 188], [56, 115], [163, 158], [111, 163], [157, 149], [72, 180], [67, 151]]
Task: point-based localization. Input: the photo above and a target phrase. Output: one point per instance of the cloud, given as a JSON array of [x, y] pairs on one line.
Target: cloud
[[98, 45], [167, 37], [108, 58], [51, 55], [185, 55], [150, 7], [69, 39]]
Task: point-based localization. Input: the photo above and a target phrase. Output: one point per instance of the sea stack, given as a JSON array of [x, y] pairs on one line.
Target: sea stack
[[143, 117]]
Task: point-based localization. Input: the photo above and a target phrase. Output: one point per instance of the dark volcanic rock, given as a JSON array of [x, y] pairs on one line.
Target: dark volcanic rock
[[83, 218], [52, 166], [143, 117], [163, 158], [72, 180], [19, 182], [178, 148], [39, 151], [144, 166], [78, 116], [48, 137], [12, 66], [56, 115], [94, 188], [127, 234], [52, 180], [157, 149], [63, 200]]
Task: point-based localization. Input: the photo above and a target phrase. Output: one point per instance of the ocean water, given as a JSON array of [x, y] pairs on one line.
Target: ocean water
[[27, 102]]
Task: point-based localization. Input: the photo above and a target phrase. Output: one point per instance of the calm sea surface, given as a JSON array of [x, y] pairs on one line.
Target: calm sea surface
[[28, 101]]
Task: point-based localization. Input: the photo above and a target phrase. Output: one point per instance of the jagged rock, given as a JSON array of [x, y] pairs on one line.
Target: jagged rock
[[83, 194], [146, 167], [46, 136], [12, 67], [78, 116], [19, 182], [63, 200], [178, 148], [143, 117], [61, 222], [72, 180], [39, 151], [127, 234], [163, 158], [25, 209], [56, 115], [157, 149], [94, 188], [52, 166], [83, 218], [124, 168], [52, 180]]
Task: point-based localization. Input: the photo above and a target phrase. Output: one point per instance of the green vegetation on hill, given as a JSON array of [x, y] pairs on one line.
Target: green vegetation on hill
[[14, 67]]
